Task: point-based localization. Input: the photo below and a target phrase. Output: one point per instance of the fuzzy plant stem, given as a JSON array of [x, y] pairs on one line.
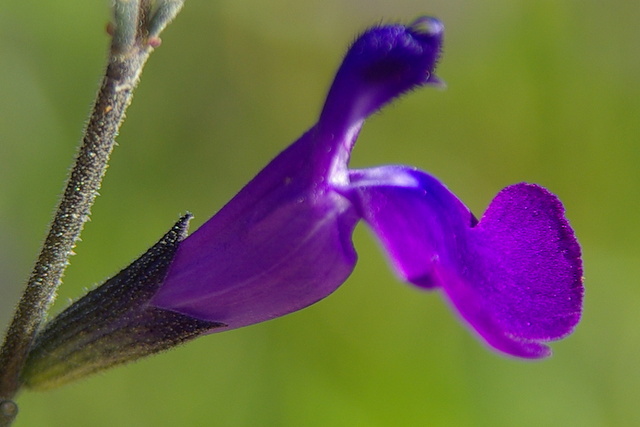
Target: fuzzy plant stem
[[135, 30]]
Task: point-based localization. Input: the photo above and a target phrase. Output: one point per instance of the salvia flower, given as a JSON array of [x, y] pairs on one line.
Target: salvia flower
[[285, 240]]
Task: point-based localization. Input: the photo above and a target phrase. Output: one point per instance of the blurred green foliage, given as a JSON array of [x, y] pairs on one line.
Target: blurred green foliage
[[543, 91]]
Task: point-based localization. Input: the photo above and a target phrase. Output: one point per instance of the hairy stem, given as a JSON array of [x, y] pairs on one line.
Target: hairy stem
[[131, 46]]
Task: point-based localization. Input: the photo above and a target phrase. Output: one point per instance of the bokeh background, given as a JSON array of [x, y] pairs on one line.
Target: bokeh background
[[542, 91]]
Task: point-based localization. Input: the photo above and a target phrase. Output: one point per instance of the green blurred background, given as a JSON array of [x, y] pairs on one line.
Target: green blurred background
[[541, 91]]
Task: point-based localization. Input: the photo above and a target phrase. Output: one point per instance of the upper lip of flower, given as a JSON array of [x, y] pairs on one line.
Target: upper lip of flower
[[382, 64]]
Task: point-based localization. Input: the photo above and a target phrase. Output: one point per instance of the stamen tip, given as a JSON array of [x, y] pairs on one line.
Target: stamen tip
[[428, 26]]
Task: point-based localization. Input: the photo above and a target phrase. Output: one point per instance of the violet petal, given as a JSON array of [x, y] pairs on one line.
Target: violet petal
[[281, 244], [515, 277]]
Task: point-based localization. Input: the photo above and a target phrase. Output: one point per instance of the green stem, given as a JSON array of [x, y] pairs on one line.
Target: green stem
[[127, 58]]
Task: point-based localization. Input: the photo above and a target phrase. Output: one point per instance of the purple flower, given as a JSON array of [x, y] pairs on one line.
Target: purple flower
[[284, 241]]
